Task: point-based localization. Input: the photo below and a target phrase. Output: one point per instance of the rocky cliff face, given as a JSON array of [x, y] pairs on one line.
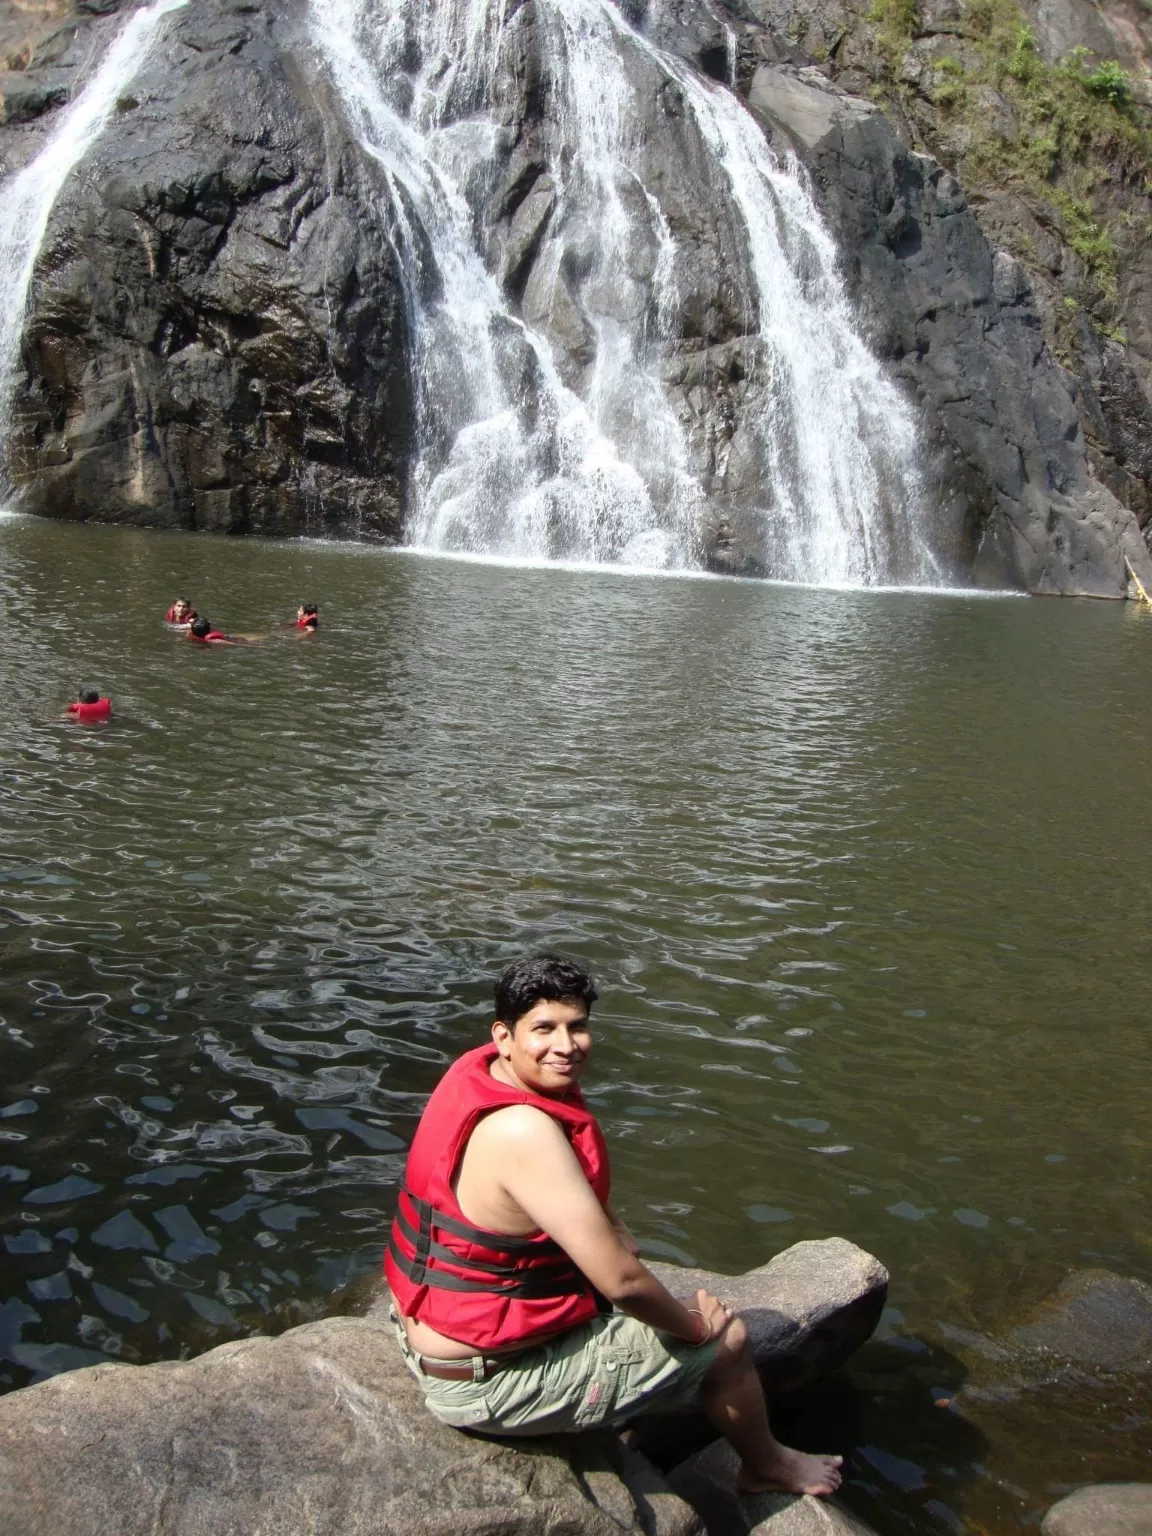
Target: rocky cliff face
[[1039, 110], [217, 335]]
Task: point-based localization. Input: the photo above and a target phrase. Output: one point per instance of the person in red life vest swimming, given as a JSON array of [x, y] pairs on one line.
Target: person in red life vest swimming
[[90, 708], [181, 613], [200, 632], [505, 1252], [308, 618]]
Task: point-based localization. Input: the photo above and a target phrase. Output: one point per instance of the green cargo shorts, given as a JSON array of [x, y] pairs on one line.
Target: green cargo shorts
[[602, 1373]]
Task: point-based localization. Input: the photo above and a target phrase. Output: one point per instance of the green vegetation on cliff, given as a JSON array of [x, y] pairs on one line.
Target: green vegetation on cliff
[[1054, 133]]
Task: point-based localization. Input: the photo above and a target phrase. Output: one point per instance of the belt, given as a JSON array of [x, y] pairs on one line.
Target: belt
[[475, 1368]]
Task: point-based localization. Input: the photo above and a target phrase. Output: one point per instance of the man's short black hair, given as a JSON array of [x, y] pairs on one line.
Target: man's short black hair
[[538, 979], [309, 608], [89, 696], [200, 628]]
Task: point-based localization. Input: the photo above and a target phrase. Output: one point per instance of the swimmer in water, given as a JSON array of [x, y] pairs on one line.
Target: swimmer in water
[[90, 707], [200, 632], [181, 613], [308, 618]]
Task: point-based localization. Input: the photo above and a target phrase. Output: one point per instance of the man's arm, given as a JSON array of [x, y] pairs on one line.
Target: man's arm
[[539, 1172], [623, 1231]]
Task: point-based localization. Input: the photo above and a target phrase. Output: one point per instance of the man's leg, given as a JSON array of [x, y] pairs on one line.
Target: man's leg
[[733, 1399]]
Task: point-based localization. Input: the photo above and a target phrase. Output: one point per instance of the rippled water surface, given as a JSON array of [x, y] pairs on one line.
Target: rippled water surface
[[864, 879]]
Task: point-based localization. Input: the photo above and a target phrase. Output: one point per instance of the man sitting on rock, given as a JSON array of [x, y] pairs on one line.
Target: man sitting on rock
[[523, 1307]]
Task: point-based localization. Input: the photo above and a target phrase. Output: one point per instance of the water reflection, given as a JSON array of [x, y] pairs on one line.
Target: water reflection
[[855, 871]]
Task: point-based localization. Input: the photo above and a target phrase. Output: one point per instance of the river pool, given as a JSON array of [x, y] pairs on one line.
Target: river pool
[[864, 878]]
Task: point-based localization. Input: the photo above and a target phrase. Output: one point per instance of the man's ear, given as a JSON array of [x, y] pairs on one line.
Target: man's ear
[[502, 1036]]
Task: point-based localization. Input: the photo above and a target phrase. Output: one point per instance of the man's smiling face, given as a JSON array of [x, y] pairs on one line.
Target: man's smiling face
[[547, 1048]]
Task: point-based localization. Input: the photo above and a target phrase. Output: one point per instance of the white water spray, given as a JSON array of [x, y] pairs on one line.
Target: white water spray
[[27, 199]]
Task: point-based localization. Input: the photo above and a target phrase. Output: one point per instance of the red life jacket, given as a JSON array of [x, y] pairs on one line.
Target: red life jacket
[[481, 1287], [213, 634], [87, 714], [309, 621]]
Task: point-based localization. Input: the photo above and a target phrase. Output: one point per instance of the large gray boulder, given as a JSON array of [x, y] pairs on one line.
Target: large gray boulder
[[706, 1482], [322, 1431], [1108, 1509], [807, 1310]]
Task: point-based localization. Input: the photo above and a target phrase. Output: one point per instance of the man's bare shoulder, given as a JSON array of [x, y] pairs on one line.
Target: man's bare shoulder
[[519, 1128]]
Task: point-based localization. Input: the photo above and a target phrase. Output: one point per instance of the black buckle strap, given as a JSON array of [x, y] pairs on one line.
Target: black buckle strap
[[472, 1234], [526, 1289], [429, 1248]]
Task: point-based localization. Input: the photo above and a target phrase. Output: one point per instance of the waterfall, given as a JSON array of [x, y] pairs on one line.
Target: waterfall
[[522, 451], [837, 438], [27, 199], [510, 460]]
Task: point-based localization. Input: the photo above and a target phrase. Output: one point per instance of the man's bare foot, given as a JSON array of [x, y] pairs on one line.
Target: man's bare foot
[[791, 1472]]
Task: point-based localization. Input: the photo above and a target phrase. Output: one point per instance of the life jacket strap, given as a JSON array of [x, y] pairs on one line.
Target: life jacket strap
[[555, 1276], [527, 1289], [432, 1249]]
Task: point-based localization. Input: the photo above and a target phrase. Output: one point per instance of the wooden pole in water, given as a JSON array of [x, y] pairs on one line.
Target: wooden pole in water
[[1141, 595]]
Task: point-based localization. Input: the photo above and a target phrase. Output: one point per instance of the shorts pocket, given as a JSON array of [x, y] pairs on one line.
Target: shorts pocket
[[627, 1352], [466, 1414]]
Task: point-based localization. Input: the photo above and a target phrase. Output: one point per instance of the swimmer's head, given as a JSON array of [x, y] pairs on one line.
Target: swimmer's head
[[89, 696], [200, 628]]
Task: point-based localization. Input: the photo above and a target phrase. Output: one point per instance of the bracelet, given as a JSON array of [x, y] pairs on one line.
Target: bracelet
[[706, 1337]]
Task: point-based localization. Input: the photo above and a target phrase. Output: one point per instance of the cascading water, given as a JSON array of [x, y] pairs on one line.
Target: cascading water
[[521, 450], [510, 461], [837, 438], [27, 199]]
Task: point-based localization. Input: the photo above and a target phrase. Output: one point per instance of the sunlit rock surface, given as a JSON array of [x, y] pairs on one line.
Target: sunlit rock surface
[[1108, 1509], [323, 1429]]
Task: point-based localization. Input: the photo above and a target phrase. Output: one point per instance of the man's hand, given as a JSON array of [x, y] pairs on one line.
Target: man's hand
[[715, 1313]]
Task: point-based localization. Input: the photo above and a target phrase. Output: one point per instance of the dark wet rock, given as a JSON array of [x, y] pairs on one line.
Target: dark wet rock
[[706, 1482], [807, 1310], [1108, 1509], [321, 1430], [1095, 1319], [22, 98], [215, 335]]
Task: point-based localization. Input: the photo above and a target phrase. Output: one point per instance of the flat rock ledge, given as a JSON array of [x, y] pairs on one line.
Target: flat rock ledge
[[1108, 1509], [323, 1431]]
